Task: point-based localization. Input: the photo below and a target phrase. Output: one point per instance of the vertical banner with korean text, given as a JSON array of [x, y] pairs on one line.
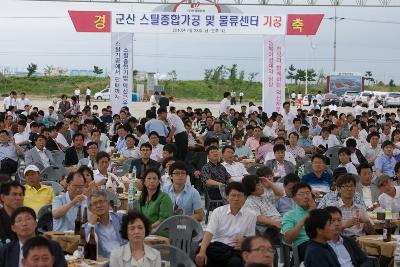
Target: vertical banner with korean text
[[121, 77], [273, 73]]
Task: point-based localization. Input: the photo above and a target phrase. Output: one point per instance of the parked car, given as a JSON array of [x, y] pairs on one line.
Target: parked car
[[379, 96], [103, 94], [392, 100], [330, 98], [363, 97], [305, 100], [348, 98]]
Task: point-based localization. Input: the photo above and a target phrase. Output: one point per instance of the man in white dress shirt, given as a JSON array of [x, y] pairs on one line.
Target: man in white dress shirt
[[178, 131], [234, 168], [10, 100], [22, 102], [225, 232], [225, 103], [390, 197], [287, 116], [21, 137], [325, 139]]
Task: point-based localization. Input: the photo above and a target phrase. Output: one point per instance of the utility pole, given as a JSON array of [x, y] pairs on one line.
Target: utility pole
[[334, 43], [335, 20]]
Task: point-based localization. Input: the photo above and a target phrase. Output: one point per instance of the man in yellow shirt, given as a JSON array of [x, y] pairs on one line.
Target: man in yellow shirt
[[36, 194]]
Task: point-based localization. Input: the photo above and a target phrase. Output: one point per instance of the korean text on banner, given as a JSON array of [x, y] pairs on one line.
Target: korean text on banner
[[121, 71], [273, 72], [188, 23]]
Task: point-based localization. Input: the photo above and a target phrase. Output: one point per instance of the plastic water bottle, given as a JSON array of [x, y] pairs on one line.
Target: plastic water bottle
[[132, 189], [397, 254], [134, 172], [301, 171]]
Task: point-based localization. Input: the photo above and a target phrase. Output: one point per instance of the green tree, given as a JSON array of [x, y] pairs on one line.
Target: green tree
[[300, 75], [173, 76], [233, 75], [311, 75], [291, 73], [240, 80], [208, 74], [321, 77], [391, 83], [368, 77], [31, 69], [97, 70], [251, 77]]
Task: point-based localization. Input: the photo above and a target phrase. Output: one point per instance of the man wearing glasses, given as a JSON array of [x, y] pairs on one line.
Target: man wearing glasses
[[145, 162], [106, 224], [293, 221], [355, 218], [186, 199], [257, 249], [66, 206], [23, 224]]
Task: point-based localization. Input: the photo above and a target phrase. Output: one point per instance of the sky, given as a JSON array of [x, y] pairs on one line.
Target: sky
[[42, 33]]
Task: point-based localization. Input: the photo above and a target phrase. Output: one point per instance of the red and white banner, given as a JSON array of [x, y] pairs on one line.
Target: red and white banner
[[273, 73], [91, 21], [303, 24], [196, 23], [121, 77]]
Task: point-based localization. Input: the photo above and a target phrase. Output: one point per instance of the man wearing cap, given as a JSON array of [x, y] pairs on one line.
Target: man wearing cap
[[390, 197], [36, 194], [385, 163]]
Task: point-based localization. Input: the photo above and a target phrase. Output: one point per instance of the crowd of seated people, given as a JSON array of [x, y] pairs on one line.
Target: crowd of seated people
[[270, 172]]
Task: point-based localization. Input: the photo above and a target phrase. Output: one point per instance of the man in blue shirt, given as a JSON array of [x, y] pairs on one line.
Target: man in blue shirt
[[385, 163], [157, 125], [66, 206], [122, 132], [186, 199], [106, 224], [320, 229], [304, 140], [319, 179]]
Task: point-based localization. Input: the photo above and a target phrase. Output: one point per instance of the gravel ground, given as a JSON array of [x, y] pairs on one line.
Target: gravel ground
[[138, 109]]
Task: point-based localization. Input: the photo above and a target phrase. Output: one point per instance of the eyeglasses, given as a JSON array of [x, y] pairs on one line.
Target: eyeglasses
[[19, 221], [264, 250], [302, 194], [179, 173]]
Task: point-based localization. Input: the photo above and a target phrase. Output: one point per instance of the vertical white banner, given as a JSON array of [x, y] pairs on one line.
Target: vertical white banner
[[121, 71], [273, 73]]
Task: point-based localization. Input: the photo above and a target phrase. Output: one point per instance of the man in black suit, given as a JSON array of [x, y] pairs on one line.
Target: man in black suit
[[12, 197], [197, 160], [51, 143], [76, 152], [23, 223], [38, 250], [163, 101], [145, 162], [345, 248]]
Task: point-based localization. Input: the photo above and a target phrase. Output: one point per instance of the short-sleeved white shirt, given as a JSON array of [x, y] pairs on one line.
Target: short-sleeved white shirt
[[226, 227], [224, 105]]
